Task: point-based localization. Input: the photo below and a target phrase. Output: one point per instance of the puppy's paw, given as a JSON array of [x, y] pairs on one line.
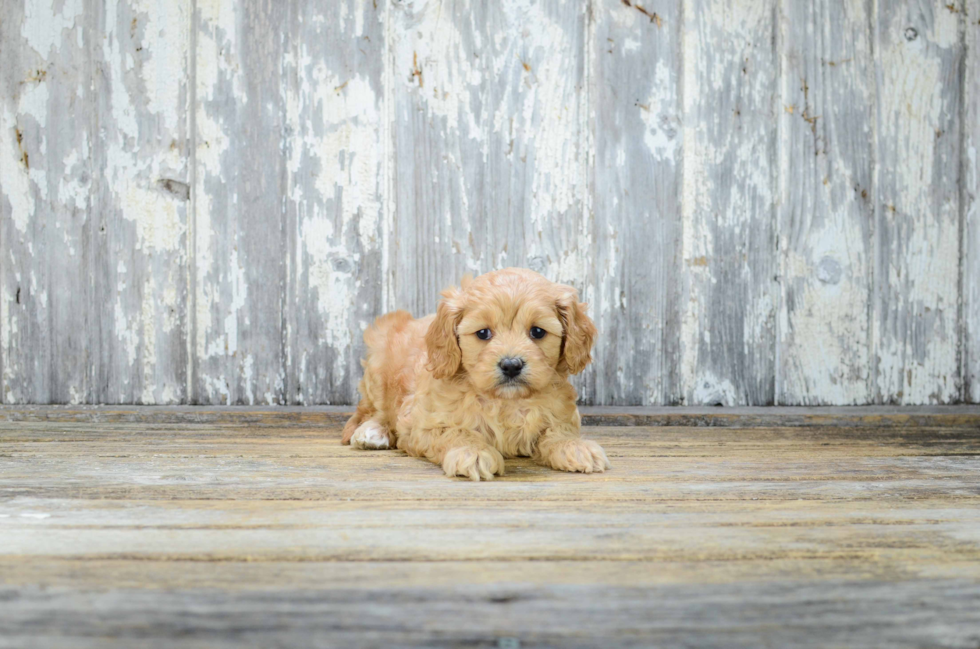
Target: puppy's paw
[[371, 436], [582, 455], [473, 462]]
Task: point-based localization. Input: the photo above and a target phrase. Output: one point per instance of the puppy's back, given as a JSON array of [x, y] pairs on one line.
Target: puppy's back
[[396, 344]]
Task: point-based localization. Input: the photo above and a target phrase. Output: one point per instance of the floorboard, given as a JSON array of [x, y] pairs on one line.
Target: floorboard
[[255, 528]]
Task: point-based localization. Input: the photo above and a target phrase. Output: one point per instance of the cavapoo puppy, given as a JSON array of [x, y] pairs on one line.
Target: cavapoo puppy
[[485, 378]]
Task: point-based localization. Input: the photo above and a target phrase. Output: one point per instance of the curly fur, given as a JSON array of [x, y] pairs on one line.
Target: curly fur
[[433, 388]]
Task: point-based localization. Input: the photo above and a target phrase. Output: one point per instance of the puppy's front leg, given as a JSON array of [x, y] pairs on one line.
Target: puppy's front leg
[[463, 453], [561, 448]]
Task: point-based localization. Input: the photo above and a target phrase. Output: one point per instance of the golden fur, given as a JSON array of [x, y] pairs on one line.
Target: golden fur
[[433, 388]]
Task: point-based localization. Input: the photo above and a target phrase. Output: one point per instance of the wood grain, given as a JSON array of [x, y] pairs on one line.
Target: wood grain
[[490, 153], [826, 203], [970, 208], [46, 238], [239, 243], [728, 243], [207, 201], [918, 68], [438, 66], [94, 179], [637, 60], [215, 534], [334, 103]]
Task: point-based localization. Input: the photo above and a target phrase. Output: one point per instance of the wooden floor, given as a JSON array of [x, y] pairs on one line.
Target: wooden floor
[[238, 528]]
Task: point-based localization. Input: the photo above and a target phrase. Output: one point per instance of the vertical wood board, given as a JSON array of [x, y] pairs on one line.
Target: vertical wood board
[[970, 209], [728, 244], [240, 246], [490, 145], [826, 205], [918, 69], [335, 155], [638, 149], [94, 177]]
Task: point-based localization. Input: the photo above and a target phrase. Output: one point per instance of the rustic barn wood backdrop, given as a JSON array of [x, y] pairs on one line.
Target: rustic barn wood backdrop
[[764, 201]]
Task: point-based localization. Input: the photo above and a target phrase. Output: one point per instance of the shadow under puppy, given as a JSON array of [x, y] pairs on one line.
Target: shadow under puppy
[[485, 378]]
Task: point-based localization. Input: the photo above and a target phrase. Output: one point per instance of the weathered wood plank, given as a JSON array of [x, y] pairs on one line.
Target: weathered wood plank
[[142, 200], [970, 209], [201, 536], [469, 137], [918, 67], [240, 248], [305, 576], [438, 71], [839, 612], [334, 96], [538, 184], [826, 205], [637, 58], [95, 174], [794, 613], [50, 242], [271, 531], [489, 139], [653, 468], [728, 244]]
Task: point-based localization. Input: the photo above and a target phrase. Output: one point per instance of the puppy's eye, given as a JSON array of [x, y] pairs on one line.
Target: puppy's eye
[[538, 333], [484, 334]]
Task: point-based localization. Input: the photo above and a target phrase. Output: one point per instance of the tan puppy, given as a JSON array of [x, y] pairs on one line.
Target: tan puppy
[[483, 379]]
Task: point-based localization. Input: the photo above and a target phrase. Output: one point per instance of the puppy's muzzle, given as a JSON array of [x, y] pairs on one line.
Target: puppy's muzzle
[[511, 368]]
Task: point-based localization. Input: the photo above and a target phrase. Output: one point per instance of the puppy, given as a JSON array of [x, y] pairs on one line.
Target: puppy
[[485, 378]]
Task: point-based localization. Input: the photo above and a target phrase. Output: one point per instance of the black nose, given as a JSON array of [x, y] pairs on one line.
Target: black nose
[[511, 367]]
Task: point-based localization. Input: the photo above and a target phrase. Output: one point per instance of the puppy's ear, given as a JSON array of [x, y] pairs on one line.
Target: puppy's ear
[[578, 334], [441, 340]]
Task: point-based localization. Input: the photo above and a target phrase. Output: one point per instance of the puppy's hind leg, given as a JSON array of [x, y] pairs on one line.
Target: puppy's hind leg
[[364, 429], [371, 435], [364, 412]]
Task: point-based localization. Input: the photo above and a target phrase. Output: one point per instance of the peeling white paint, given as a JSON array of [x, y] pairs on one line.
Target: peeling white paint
[[165, 46], [728, 187], [226, 344], [9, 329], [16, 185], [917, 341], [74, 187], [524, 89], [43, 29], [444, 80], [349, 151], [216, 318], [248, 378], [712, 390], [333, 288], [158, 225], [127, 332], [823, 351], [34, 102], [971, 230], [148, 337], [662, 135]]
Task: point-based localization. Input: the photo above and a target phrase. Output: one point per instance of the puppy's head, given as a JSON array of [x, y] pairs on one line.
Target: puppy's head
[[511, 331]]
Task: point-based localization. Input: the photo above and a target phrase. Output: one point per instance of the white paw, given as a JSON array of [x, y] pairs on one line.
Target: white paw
[[474, 462], [370, 436], [580, 455]]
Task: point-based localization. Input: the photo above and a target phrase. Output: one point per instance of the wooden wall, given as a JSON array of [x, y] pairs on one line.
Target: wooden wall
[[764, 201]]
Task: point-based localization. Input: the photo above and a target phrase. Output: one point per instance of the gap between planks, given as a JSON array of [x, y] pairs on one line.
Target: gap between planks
[[961, 416]]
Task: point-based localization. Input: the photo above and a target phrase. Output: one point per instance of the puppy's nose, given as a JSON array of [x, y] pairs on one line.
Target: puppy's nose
[[511, 367]]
